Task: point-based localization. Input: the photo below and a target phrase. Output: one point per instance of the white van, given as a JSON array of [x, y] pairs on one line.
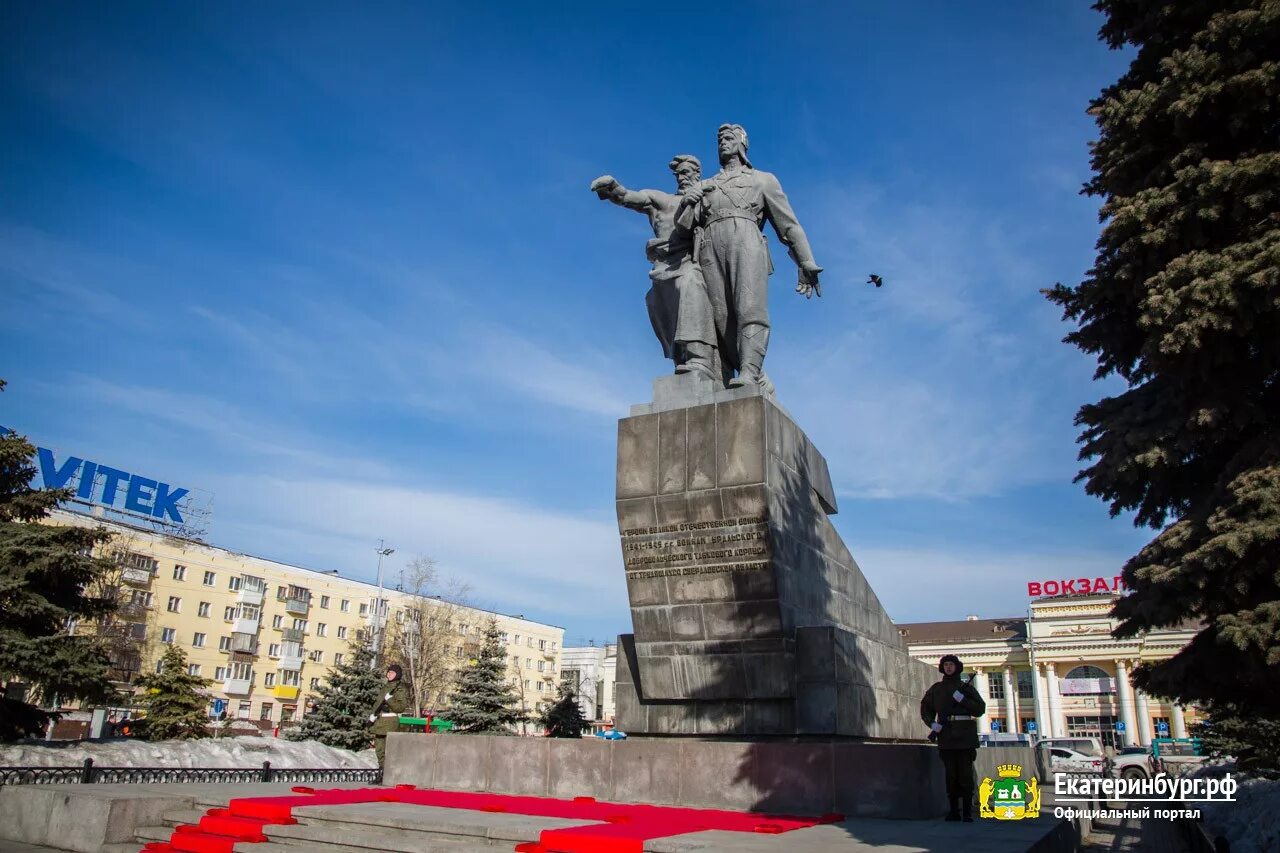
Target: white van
[[1083, 744]]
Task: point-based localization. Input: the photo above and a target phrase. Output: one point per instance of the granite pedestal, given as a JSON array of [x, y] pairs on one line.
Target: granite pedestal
[[751, 617]]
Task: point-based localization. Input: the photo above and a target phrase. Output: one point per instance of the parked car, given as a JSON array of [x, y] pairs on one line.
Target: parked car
[[1060, 759], [1134, 762], [1090, 746], [1004, 739]]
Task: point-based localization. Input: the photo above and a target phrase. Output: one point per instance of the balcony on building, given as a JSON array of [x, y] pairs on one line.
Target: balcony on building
[[253, 590], [244, 642], [245, 626], [297, 600], [237, 686], [285, 691], [136, 576], [291, 650], [136, 569], [132, 611]]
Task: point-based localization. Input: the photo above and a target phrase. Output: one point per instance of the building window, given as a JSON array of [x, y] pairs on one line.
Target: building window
[[1026, 688], [316, 656], [300, 625], [337, 659], [179, 573], [1155, 727], [234, 583], [364, 609], [224, 644], [345, 606], [175, 604], [529, 641], [553, 645], [269, 680], [220, 673], [342, 632], [209, 578], [273, 650], [141, 598], [506, 638], [229, 613], [203, 609], [277, 621], [244, 710], [528, 663], [517, 641], [542, 666], [167, 635], [265, 713], [315, 684], [193, 669], [539, 686], [542, 645], [291, 678], [198, 640], [321, 629], [324, 602], [287, 712]]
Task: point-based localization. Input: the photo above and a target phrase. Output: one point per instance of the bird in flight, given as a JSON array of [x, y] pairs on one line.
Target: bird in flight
[[876, 280]]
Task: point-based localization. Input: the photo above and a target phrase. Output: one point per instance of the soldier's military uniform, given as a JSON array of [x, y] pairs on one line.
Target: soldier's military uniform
[[734, 257], [386, 718], [951, 709]]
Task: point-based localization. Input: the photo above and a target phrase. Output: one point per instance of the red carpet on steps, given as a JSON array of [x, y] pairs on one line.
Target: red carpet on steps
[[621, 828]]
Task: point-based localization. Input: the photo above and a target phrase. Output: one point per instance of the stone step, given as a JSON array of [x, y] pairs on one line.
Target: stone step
[[180, 816], [125, 847], [426, 844], [365, 837], [146, 834]]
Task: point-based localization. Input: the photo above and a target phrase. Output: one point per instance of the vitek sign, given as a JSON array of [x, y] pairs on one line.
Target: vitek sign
[[119, 492], [100, 484]]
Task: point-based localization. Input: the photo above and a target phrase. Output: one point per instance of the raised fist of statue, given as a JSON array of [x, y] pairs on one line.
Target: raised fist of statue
[[603, 185]]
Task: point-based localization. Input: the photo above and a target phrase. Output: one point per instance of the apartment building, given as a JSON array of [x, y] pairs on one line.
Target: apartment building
[[267, 633]]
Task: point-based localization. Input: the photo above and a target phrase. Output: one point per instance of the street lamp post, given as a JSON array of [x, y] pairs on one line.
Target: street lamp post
[[383, 551]]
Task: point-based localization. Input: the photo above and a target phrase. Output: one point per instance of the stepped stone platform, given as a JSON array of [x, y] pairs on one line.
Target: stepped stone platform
[[401, 829], [751, 617]]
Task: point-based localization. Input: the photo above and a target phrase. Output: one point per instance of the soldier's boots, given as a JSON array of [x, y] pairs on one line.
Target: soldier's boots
[[753, 340], [698, 358]]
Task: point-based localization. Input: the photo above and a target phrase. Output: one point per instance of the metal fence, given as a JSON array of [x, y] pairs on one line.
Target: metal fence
[[88, 773]]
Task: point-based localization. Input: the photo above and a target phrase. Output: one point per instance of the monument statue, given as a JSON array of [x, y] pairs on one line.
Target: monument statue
[[677, 299], [730, 211]]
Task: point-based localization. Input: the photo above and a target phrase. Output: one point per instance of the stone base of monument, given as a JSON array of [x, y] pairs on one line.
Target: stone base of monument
[[751, 618], [805, 778]]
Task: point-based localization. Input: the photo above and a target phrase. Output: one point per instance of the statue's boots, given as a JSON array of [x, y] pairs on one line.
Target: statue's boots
[[753, 341], [698, 358]]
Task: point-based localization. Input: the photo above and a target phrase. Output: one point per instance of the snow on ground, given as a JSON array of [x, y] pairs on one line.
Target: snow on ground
[[1252, 823], [244, 752]]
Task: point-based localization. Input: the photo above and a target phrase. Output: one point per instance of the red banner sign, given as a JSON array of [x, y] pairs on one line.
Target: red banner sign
[[1075, 586]]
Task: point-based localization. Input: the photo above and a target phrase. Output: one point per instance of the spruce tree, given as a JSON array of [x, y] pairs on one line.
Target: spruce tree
[[1239, 732], [44, 571], [563, 718], [176, 709], [483, 701], [1183, 305], [352, 691]]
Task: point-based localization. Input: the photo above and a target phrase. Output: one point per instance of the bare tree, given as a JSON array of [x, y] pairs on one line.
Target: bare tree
[[127, 631], [429, 636]]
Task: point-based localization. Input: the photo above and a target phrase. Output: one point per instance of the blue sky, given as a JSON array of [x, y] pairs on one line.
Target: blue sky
[[337, 265]]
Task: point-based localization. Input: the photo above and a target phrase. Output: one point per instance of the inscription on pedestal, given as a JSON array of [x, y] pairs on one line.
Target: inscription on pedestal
[[696, 547]]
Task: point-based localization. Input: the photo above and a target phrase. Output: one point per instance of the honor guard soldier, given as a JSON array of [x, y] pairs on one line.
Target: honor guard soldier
[[951, 709]]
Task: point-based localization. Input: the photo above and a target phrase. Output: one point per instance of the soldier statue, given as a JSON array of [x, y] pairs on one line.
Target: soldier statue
[[730, 210]]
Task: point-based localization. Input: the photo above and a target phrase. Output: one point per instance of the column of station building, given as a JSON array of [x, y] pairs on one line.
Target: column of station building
[[1060, 669]]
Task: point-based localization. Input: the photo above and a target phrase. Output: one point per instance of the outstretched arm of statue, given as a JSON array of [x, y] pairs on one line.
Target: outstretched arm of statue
[[607, 188], [777, 209]]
